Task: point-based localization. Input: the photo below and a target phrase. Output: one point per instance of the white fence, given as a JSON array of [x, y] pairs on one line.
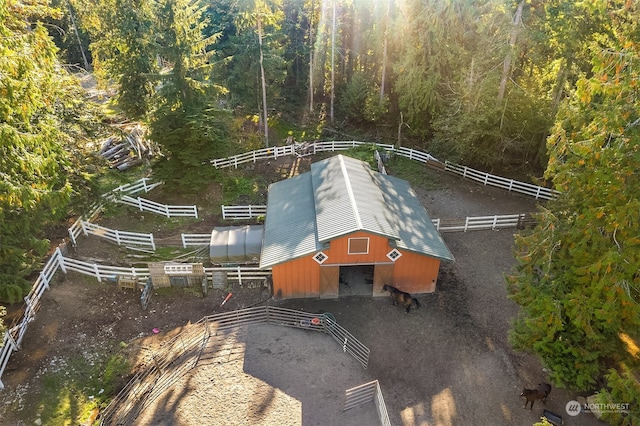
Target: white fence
[[113, 235], [308, 148], [239, 273], [365, 393], [479, 223], [195, 240], [243, 212], [13, 337], [141, 185], [162, 209], [100, 271], [509, 184]]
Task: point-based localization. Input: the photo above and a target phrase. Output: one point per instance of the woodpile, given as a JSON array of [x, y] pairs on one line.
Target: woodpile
[[128, 151]]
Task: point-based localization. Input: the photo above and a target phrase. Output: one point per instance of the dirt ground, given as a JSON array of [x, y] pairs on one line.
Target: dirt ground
[[447, 363]]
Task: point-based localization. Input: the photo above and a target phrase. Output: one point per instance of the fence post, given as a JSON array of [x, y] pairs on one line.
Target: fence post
[[84, 230], [153, 244], [97, 271], [184, 241], [239, 276], [495, 221], [195, 211], [46, 282], [466, 224], [117, 236]]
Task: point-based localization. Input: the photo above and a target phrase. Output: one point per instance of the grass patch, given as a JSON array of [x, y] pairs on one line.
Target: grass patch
[[237, 186], [73, 394], [143, 222], [413, 172]]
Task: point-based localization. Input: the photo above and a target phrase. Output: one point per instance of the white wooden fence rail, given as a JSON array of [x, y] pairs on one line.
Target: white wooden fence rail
[[538, 192], [479, 223], [162, 209], [113, 235], [13, 336], [195, 240], [141, 185], [243, 212], [509, 184], [100, 271]]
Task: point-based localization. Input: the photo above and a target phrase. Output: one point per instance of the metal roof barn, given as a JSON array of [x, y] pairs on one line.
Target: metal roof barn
[[342, 214]]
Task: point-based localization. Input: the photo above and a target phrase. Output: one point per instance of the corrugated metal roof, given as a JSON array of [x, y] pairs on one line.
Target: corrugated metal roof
[[341, 195], [347, 199], [416, 229], [290, 225]]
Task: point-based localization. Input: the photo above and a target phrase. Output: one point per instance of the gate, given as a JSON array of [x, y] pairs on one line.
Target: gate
[[349, 343], [366, 393]]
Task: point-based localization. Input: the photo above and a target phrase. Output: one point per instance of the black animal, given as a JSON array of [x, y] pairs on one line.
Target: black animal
[[400, 297], [532, 395]]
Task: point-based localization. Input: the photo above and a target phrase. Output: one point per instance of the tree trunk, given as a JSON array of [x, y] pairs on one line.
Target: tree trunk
[[264, 86], [313, 7], [87, 67], [383, 77], [506, 69], [333, 55]]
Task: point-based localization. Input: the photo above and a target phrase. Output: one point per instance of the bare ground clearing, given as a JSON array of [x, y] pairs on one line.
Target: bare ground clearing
[[447, 363]]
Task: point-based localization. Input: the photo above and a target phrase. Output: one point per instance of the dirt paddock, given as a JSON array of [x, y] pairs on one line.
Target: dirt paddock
[[446, 363]]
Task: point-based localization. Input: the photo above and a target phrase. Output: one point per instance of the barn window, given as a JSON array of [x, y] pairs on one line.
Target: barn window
[[394, 255], [358, 245], [320, 257]]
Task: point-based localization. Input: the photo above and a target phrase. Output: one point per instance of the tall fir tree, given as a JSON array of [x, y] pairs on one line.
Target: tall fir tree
[[577, 279]]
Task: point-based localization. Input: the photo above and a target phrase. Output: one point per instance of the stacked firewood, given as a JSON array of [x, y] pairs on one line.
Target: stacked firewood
[[128, 151]]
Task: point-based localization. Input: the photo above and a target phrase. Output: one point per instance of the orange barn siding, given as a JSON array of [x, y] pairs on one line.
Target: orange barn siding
[[297, 278], [415, 273], [338, 250]]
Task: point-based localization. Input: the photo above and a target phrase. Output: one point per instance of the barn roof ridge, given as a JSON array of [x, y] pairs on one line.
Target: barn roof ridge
[[339, 196]]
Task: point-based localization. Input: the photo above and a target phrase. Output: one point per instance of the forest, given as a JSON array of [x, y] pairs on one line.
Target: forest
[[543, 90]]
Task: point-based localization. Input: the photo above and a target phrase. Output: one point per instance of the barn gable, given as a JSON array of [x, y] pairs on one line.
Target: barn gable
[[340, 196]]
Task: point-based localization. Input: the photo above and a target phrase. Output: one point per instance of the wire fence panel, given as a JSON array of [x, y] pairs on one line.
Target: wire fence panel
[[183, 352]]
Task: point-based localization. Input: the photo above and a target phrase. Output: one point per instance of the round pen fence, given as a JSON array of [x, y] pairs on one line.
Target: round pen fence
[[184, 351]]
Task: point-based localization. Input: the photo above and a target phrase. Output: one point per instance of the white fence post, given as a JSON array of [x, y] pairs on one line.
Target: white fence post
[[96, 269]]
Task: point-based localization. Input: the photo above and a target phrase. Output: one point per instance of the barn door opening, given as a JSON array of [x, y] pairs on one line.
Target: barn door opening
[[356, 280]]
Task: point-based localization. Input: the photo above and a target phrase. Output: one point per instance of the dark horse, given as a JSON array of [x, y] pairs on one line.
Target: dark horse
[[400, 297], [541, 392]]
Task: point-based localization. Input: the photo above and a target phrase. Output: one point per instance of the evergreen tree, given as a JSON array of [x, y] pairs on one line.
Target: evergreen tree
[[37, 107], [186, 122], [578, 281]]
